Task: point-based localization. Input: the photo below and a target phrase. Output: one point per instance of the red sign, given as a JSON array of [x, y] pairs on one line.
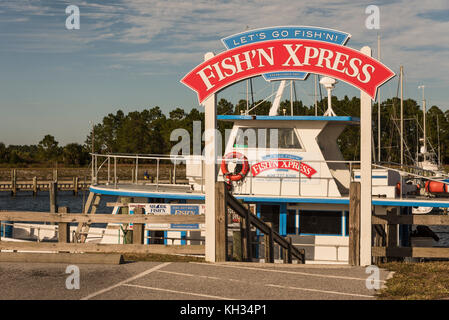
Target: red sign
[[312, 56], [288, 164]]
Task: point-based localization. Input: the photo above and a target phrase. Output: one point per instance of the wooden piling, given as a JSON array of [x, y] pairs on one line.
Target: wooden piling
[[75, 185], [128, 236], [248, 241], [237, 248], [34, 186], [245, 227], [55, 175], [354, 224], [138, 229], [220, 223], [13, 182], [53, 191], [269, 245], [63, 227]]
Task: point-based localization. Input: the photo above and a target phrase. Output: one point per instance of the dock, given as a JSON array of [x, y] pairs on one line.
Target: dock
[[74, 184]]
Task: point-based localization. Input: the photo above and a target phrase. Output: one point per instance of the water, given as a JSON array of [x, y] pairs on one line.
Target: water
[[24, 201]]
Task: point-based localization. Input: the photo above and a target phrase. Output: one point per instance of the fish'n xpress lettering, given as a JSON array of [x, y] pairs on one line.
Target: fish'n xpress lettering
[[286, 164], [313, 56]]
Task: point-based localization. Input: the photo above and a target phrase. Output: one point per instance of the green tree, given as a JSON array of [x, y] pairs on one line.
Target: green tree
[[75, 154], [48, 148]]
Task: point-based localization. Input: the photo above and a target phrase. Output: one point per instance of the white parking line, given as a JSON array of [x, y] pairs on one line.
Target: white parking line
[[320, 291], [285, 271], [127, 280], [268, 284], [179, 292]]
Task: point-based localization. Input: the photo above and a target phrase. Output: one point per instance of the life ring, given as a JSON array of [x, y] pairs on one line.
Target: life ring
[[244, 164]]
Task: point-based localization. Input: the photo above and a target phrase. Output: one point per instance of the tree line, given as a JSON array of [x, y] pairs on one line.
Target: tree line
[[148, 131]]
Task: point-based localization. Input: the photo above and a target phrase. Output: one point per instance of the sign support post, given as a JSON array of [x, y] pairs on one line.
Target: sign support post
[[365, 173], [210, 153]]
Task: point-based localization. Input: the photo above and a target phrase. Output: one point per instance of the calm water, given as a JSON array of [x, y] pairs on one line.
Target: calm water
[[24, 201]]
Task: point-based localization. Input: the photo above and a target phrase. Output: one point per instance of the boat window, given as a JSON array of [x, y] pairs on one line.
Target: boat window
[[270, 213], [291, 221], [346, 223], [320, 222], [271, 138], [157, 237]]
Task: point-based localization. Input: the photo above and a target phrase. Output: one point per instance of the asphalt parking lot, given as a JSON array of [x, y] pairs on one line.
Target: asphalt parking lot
[[187, 281]]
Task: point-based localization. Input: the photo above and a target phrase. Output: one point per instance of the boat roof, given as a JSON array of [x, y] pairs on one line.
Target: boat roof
[[288, 118]]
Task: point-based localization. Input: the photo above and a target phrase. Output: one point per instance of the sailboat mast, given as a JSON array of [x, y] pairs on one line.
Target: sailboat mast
[[402, 116], [438, 135]]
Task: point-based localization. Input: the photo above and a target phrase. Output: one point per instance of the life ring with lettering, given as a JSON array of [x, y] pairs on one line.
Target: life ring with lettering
[[241, 169]]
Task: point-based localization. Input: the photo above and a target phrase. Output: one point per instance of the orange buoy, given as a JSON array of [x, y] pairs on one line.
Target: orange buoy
[[436, 187]]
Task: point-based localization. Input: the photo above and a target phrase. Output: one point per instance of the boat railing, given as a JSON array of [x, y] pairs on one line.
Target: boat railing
[[172, 163], [194, 179], [408, 175]]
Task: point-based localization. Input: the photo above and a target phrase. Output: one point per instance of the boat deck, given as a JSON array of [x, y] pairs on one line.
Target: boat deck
[[184, 192]]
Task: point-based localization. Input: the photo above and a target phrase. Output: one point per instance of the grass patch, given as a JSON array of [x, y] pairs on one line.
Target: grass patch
[[160, 257], [416, 281]]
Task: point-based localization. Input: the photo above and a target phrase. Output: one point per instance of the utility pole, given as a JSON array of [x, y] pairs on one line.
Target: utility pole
[[402, 116], [378, 105], [424, 121]]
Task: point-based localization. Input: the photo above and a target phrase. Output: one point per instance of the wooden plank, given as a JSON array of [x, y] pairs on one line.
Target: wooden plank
[[90, 198], [115, 204], [220, 222], [424, 219], [84, 230], [414, 252], [99, 218], [354, 224], [103, 248], [66, 258]]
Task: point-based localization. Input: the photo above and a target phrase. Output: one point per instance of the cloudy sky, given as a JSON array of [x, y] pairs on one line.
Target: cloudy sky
[[131, 54]]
